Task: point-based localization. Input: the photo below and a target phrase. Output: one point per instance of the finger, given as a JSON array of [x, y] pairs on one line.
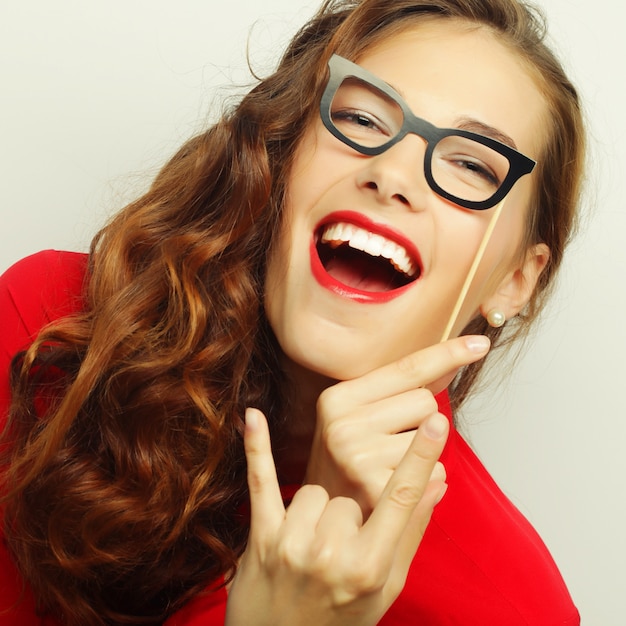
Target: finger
[[375, 485], [418, 369], [266, 503], [341, 520], [399, 413], [405, 488], [306, 508], [387, 452], [442, 383], [438, 473], [414, 532], [299, 530]]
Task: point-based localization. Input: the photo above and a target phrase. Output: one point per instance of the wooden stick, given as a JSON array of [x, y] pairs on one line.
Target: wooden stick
[[472, 270]]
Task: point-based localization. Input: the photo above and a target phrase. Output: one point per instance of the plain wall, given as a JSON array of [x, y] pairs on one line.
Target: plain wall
[[96, 95]]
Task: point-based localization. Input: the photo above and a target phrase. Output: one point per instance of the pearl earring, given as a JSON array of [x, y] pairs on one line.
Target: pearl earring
[[496, 318]]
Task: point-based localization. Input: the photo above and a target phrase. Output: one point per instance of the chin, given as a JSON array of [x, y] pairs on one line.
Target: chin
[[334, 359]]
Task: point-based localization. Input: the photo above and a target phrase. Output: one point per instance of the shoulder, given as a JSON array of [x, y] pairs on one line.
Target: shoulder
[[38, 269], [41, 288], [34, 292], [483, 557]]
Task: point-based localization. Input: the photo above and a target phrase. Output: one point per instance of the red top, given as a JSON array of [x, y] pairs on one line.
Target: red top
[[480, 562]]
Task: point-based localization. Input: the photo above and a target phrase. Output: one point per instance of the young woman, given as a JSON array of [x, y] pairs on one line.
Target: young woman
[[410, 172]]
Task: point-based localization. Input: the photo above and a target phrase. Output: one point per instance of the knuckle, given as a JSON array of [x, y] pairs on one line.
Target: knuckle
[[345, 504], [310, 495], [289, 554], [256, 481], [299, 553], [396, 583], [427, 400], [366, 578], [410, 364], [339, 435], [342, 444], [321, 560], [327, 400], [348, 508], [404, 495]]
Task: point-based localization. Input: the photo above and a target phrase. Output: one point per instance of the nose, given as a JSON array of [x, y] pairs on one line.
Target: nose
[[397, 175]]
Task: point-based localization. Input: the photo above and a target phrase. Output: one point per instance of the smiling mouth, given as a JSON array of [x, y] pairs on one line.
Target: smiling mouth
[[364, 260]]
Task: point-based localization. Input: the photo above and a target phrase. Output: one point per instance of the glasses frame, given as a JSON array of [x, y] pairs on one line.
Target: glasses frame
[[341, 68]]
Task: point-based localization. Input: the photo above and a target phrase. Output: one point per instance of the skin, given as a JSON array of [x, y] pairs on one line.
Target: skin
[[367, 446], [436, 68]]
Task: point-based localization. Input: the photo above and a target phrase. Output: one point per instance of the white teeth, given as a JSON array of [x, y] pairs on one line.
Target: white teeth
[[372, 244], [388, 249], [359, 240]]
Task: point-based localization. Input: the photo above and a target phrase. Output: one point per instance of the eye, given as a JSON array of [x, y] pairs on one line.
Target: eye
[[477, 168], [472, 168], [358, 119]]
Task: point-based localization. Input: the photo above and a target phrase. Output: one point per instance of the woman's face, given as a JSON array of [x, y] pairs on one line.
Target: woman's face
[[339, 318]]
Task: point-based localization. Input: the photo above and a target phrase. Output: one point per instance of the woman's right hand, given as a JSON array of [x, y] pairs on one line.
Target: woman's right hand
[[316, 563], [365, 425]]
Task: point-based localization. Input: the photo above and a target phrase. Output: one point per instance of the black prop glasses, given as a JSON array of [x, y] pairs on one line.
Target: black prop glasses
[[367, 114]]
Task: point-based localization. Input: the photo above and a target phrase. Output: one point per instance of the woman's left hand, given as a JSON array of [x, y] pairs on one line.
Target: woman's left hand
[[317, 563]]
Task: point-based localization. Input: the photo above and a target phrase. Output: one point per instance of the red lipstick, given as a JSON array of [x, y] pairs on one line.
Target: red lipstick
[[352, 291]]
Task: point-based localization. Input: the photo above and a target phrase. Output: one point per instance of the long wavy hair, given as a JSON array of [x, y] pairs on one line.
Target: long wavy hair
[[122, 495]]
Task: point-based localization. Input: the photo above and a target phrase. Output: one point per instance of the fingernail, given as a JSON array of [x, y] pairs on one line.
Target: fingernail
[[478, 344], [436, 426], [252, 419]]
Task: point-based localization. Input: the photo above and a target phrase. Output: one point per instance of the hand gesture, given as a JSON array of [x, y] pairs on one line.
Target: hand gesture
[[317, 563], [366, 425]]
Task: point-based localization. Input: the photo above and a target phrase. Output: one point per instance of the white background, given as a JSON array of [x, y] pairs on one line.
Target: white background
[[95, 95]]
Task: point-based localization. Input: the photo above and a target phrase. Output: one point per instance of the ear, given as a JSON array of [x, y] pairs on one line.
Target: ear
[[518, 285]]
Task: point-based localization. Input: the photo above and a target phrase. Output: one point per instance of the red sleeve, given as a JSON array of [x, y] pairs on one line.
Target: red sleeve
[[33, 292], [204, 610]]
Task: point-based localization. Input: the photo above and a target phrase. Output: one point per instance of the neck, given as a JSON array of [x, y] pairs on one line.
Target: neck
[[292, 453]]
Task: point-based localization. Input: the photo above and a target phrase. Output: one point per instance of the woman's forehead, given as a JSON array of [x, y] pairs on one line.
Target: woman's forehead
[[448, 70]]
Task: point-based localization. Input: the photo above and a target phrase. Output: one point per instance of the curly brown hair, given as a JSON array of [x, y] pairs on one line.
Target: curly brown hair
[[122, 500]]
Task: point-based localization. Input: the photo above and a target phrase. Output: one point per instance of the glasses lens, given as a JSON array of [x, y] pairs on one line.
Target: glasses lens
[[467, 169], [364, 114]]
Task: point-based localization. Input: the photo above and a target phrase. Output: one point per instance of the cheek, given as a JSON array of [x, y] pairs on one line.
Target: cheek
[[502, 254], [510, 232], [276, 276]]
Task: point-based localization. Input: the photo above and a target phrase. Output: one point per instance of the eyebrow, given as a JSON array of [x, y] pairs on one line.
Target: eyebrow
[[476, 126], [473, 125]]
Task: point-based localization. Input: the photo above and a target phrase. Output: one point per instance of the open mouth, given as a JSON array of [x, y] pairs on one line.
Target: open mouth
[[363, 260]]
